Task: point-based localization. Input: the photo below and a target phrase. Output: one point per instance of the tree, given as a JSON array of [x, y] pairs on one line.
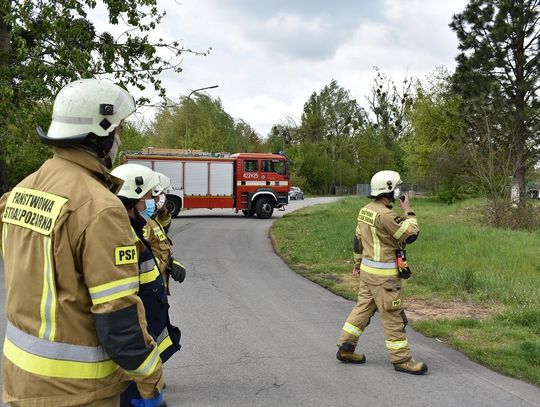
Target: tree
[[313, 123], [211, 128], [249, 140], [329, 119], [498, 78], [135, 136], [45, 44], [388, 105], [168, 126], [315, 167], [371, 153], [285, 136], [23, 152], [433, 145]]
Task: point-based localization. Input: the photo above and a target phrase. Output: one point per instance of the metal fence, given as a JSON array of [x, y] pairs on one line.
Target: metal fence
[[365, 189], [362, 189], [344, 190]]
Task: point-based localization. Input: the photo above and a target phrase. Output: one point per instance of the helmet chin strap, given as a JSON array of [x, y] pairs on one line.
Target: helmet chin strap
[[103, 146], [389, 195], [100, 147]]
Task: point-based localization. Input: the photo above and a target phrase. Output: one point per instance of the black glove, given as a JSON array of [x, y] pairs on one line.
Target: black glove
[[177, 270]]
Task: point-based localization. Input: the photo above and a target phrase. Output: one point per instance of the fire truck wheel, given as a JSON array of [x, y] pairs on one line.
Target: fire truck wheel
[[174, 204], [264, 207]]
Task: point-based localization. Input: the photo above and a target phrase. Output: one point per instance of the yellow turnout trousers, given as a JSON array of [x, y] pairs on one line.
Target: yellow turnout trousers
[[385, 298]]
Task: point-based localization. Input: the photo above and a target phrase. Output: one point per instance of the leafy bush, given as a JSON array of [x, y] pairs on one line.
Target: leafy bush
[[451, 193]]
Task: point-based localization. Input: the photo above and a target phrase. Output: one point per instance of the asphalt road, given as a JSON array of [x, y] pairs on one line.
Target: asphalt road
[[257, 334]]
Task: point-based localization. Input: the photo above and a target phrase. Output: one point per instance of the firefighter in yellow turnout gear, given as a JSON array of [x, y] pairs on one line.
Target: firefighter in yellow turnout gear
[[76, 329], [155, 231], [380, 232], [136, 195]]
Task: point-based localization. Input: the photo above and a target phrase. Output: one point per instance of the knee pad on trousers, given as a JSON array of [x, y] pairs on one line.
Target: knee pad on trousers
[[369, 319]]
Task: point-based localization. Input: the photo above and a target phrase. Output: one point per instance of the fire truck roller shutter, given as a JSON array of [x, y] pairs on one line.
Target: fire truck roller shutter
[[175, 171]]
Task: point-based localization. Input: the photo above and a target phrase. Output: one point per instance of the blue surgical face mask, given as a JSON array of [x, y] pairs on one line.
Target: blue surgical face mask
[[150, 209]]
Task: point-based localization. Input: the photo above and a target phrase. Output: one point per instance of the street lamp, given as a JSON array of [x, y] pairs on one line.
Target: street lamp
[[187, 109]]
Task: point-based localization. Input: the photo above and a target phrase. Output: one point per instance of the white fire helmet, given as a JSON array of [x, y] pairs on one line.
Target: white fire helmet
[[138, 180], [87, 106], [384, 182], [164, 185]]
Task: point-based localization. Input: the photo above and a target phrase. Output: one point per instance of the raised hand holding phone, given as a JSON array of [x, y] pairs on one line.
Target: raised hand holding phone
[[404, 203]]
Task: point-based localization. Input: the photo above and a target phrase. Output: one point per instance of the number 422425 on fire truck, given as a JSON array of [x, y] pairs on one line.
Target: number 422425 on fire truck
[[254, 183]]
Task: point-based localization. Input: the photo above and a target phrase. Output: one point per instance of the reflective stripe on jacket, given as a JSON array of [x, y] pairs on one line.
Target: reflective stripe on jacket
[[56, 359], [154, 297], [378, 231]]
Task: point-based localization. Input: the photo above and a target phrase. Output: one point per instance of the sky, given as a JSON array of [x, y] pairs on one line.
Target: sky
[[268, 57]]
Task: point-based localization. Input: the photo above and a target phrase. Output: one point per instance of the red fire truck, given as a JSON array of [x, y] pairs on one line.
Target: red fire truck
[[254, 183]]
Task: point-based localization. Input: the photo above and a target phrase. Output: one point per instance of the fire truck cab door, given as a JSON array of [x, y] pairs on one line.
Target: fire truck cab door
[[272, 170]]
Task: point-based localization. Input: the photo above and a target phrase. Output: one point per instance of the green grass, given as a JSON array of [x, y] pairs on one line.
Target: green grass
[[498, 343], [456, 257]]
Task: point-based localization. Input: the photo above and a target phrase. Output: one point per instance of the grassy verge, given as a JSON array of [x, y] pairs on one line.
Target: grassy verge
[[475, 287]]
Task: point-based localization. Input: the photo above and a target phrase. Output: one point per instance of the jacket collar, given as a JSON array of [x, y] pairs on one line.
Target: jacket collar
[[381, 203], [137, 223], [89, 161]]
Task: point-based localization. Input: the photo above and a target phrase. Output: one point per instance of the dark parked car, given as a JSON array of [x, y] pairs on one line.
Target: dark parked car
[[296, 193]]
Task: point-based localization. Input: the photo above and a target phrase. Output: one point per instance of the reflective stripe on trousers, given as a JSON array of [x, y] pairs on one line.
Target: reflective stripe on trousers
[[351, 329], [395, 345]]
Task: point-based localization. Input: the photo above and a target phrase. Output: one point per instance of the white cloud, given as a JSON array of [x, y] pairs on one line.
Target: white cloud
[[268, 57], [260, 109]]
